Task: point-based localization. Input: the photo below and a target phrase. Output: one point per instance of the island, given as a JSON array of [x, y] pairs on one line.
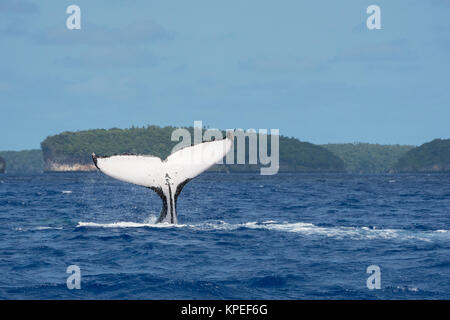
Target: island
[[2, 165], [71, 151], [25, 161], [432, 156], [368, 157]]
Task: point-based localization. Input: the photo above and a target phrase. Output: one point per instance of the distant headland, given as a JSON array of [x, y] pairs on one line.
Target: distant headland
[[433, 156], [2, 165], [71, 151]]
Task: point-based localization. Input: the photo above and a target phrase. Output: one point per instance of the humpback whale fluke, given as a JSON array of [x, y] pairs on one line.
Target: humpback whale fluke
[[166, 177]]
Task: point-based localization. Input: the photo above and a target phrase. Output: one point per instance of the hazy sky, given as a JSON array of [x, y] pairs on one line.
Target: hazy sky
[[310, 68]]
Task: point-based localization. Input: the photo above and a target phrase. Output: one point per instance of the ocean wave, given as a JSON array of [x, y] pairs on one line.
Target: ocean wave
[[303, 228], [48, 228], [125, 224]]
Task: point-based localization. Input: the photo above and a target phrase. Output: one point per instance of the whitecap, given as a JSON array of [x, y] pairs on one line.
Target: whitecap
[[126, 224], [303, 228], [48, 228]]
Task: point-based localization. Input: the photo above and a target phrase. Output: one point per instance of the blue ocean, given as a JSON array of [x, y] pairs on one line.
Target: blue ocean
[[240, 236]]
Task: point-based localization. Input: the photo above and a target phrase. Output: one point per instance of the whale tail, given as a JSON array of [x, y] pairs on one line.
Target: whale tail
[[166, 177]]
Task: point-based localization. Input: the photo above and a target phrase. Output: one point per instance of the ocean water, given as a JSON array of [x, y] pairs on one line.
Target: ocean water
[[241, 236]]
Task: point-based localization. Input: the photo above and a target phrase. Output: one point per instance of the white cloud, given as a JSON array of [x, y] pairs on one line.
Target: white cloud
[[5, 86], [280, 64], [17, 6], [102, 86], [394, 50], [140, 32]]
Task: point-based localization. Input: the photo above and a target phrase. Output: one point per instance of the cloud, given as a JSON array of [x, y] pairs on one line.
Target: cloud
[[7, 78], [103, 87], [441, 2], [377, 52], [120, 57], [17, 6], [445, 45], [91, 34], [14, 29], [385, 51], [280, 64], [360, 27], [95, 35], [5, 86]]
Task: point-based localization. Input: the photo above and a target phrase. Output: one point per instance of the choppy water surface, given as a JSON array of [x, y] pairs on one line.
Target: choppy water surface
[[241, 236]]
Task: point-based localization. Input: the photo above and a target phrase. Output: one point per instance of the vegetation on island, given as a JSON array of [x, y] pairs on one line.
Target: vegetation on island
[[433, 156], [77, 147], [26, 161], [2, 165], [367, 157]]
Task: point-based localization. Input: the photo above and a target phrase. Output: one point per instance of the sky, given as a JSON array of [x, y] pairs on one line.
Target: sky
[[311, 69]]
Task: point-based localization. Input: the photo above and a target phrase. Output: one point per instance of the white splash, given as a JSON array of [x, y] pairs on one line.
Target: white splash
[[302, 228], [48, 228], [124, 224]]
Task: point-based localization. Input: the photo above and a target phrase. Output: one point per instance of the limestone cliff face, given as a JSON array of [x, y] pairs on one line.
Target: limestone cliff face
[[65, 167], [2, 165]]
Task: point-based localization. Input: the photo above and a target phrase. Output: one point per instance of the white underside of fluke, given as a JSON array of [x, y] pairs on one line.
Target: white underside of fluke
[[165, 177]]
